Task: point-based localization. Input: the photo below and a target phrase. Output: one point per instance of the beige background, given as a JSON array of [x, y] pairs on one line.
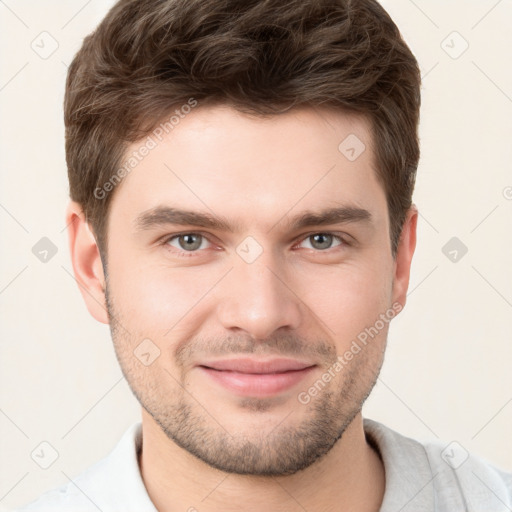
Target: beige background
[[447, 371]]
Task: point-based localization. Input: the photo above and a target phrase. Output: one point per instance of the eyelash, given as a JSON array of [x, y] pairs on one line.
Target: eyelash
[[187, 254]]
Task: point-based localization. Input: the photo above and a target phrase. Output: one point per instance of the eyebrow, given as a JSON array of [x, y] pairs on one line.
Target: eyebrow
[[163, 215]]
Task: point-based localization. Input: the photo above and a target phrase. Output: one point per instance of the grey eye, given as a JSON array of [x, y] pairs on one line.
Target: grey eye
[[188, 241], [322, 241]]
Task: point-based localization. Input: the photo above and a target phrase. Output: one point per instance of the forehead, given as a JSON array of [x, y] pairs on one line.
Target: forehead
[[216, 159]]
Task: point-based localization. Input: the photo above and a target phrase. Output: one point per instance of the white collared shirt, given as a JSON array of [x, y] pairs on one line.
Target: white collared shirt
[[420, 477]]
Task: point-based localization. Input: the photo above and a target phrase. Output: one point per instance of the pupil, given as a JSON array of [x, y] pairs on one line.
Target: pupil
[[327, 240], [190, 242]]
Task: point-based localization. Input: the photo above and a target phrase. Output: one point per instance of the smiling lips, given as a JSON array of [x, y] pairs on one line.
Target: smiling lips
[[250, 377]]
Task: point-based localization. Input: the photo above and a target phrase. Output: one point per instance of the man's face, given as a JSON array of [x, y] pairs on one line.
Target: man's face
[[182, 297]]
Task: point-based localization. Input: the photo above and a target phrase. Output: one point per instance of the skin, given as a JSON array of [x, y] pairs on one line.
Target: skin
[[304, 297]]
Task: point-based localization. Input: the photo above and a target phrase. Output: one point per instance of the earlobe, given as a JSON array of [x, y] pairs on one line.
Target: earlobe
[[86, 261], [403, 260]]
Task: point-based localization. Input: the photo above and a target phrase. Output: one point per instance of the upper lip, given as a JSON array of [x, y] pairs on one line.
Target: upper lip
[[257, 366]]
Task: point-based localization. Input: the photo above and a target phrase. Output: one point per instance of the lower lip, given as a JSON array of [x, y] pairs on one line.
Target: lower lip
[[257, 384]]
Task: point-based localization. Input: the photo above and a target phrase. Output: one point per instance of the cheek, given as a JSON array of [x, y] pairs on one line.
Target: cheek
[[350, 298], [156, 297]]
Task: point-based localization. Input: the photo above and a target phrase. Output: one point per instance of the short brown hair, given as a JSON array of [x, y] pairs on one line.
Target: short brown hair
[[262, 57]]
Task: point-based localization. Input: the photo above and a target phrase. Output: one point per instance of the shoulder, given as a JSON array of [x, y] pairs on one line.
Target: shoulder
[[481, 484], [63, 498], [114, 483], [449, 477]]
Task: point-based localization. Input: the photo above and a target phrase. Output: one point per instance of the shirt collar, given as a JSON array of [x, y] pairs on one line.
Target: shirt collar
[[409, 478], [116, 481]]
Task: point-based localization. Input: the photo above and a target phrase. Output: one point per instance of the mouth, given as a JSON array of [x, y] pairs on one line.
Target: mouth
[[250, 377]]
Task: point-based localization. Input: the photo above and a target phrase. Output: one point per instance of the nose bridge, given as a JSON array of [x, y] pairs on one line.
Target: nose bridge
[[257, 299]]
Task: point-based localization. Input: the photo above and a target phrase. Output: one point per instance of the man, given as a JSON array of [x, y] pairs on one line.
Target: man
[[241, 178]]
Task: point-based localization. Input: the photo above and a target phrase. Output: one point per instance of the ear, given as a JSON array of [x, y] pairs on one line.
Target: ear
[[86, 260], [403, 260]]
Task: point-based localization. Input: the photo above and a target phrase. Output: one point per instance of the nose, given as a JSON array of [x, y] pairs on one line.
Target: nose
[[256, 298]]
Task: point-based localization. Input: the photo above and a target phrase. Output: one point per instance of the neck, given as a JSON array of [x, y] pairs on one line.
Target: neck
[[349, 477]]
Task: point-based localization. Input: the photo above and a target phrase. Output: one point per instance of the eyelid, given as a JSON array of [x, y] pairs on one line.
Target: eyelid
[[167, 238], [344, 238]]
